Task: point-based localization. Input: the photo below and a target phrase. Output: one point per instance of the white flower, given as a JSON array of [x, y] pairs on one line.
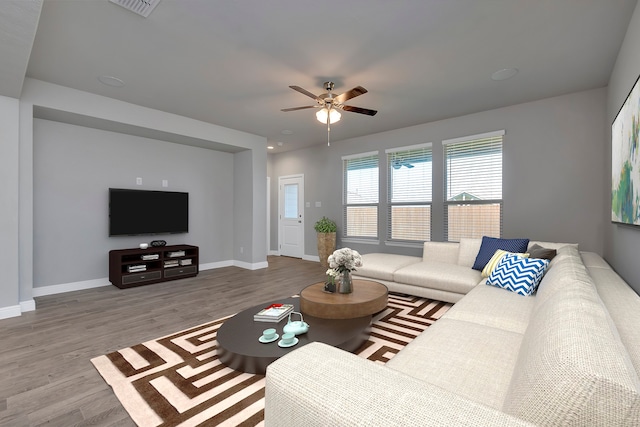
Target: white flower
[[332, 273], [345, 259]]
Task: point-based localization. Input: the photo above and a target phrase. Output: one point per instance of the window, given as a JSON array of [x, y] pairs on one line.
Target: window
[[360, 195], [291, 201], [410, 174], [473, 186]]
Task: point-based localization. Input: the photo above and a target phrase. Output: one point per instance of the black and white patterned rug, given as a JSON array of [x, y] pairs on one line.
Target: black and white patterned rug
[[178, 380]]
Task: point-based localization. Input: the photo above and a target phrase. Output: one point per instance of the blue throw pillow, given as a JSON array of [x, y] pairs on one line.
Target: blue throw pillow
[[517, 274], [490, 245]]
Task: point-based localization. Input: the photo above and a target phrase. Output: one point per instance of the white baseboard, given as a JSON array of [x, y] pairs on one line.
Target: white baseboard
[[251, 266], [11, 311], [96, 283], [315, 258], [70, 287], [234, 263], [214, 265], [29, 305]]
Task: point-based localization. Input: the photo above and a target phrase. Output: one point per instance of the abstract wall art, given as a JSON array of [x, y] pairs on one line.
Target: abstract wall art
[[625, 161]]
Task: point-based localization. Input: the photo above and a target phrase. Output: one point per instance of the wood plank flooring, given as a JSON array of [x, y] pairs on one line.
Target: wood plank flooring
[[46, 377]]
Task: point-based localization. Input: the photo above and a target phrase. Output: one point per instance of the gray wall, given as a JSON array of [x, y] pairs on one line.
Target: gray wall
[[622, 243], [74, 167], [553, 174], [9, 221]]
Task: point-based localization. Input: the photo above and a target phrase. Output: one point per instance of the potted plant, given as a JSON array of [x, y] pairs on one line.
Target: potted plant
[[326, 233]]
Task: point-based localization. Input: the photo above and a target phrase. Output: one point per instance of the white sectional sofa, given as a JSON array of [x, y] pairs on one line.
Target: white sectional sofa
[[443, 272], [567, 355]]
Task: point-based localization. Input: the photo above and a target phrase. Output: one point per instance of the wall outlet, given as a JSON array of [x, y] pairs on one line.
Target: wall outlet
[[241, 250], [138, 181], [165, 183]]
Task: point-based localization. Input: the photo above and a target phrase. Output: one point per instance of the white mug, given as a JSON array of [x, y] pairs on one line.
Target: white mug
[[144, 245]]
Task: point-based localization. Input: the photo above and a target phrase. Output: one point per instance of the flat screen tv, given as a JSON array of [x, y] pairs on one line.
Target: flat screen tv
[[136, 212]]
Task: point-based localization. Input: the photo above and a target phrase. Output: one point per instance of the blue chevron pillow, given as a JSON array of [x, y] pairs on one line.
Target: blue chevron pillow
[[517, 274]]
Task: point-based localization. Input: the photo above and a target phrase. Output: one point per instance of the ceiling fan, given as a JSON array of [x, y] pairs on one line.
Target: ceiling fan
[[329, 104]]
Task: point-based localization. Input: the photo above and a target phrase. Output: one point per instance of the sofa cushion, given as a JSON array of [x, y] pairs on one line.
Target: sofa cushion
[[468, 251], [382, 266], [469, 359], [441, 252], [537, 251], [592, 259], [517, 274], [491, 306], [495, 260], [490, 245], [566, 269], [439, 275]]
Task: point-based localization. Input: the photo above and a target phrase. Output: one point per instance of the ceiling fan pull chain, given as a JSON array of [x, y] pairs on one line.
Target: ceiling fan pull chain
[[328, 132]]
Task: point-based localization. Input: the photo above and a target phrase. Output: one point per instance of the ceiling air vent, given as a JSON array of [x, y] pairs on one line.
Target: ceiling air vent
[[141, 7]]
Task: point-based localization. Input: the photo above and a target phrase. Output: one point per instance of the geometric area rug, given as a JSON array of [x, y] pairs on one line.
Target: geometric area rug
[[177, 380]]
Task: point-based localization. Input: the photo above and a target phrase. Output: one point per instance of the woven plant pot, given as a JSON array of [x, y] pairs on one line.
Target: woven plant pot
[[326, 246]]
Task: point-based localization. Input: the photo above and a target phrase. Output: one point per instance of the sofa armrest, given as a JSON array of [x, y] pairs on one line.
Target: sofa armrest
[[319, 385]]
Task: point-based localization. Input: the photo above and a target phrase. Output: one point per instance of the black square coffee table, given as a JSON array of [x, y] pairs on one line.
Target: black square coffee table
[[239, 348]]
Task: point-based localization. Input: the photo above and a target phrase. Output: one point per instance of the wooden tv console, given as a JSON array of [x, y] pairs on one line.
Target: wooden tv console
[[136, 267]]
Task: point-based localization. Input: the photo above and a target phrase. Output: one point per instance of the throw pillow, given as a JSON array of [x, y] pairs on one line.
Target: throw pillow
[[537, 251], [517, 274], [495, 259], [490, 245]]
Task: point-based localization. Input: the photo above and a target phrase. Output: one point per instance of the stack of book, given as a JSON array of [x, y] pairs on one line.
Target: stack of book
[[149, 257], [186, 261], [176, 254], [172, 263], [136, 268], [273, 313]]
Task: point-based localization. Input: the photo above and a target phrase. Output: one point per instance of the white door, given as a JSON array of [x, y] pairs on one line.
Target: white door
[[291, 221]]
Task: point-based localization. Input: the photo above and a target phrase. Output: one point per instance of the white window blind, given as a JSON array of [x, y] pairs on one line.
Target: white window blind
[[473, 186], [410, 193], [360, 195]]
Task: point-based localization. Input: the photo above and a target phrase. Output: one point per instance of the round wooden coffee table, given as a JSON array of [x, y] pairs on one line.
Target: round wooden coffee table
[[368, 297], [239, 349]]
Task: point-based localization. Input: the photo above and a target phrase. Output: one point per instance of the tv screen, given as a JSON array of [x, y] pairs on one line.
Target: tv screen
[[135, 212]]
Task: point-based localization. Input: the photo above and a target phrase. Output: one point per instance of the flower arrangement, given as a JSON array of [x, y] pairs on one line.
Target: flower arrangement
[[342, 262], [345, 259]]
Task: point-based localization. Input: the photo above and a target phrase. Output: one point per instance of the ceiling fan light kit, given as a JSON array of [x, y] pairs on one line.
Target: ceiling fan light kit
[[330, 104], [333, 114]]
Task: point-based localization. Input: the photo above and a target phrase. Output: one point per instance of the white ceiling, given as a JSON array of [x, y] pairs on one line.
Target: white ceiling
[[230, 62]]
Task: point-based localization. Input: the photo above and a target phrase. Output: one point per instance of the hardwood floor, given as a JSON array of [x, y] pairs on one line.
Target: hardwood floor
[[46, 377]]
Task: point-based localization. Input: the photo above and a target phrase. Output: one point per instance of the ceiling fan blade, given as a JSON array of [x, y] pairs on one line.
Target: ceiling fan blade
[[298, 108], [358, 110], [356, 91], [306, 92]]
